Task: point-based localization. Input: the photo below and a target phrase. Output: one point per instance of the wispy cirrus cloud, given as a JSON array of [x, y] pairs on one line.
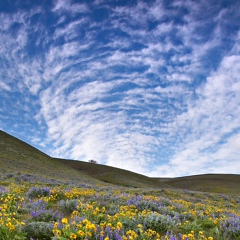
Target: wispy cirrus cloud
[[138, 86], [211, 124]]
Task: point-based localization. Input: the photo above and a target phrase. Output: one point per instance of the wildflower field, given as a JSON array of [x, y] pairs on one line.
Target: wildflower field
[[34, 212]]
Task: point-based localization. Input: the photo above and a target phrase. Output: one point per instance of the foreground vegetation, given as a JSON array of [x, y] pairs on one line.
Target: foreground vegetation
[[34, 212]]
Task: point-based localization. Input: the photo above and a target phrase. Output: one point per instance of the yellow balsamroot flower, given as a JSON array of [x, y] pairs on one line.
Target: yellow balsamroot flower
[[78, 225], [55, 225], [103, 210], [150, 233], [190, 236], [88, 226], [119, 225], [57, 232], [64, 221], [74, 223], [73, 236], [75, 213], [4, 206], [80, 233], [8, 224], [184, 236], [67, 226], [131, 234], [85, 221], [12, 228], [106, 238], [89, 234]]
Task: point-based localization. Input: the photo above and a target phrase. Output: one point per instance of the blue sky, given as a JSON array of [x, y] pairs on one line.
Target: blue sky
[[148, 86]]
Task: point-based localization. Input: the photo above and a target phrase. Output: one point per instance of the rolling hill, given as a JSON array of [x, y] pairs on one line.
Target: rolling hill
[[22, 162], [222, 183], [114, 175]]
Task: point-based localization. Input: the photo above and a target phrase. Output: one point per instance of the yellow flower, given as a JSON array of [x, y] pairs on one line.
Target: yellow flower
[[64, 221], [81, 233], [12, 228], [119, 225], [55, 225], [139, 225], [67, 226], [89, 234], [57, 232], [73, 236]]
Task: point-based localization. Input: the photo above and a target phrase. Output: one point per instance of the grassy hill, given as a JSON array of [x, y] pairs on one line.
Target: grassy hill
[[22, 162], [113, 175], [222, 183]]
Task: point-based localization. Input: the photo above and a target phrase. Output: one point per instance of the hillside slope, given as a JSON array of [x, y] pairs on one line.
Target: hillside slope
[[114, 175], [218, 183], [21, 161]]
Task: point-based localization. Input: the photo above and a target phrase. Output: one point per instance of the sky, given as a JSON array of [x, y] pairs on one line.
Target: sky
[[150, 86]]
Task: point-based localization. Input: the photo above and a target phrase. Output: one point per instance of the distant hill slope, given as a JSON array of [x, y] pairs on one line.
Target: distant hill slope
[[219, 183], [21, 161], [114, 175]]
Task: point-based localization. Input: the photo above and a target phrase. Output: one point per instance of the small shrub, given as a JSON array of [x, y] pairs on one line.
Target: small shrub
[[113, 209], [230, 228], [68, 206], [39, 211], [39, 230], [2, 191], [158, 223], [35, 192], [147, 205]]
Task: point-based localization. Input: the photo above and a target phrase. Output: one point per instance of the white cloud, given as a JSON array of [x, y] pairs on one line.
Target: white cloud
[[102, 99], [4, 86], [69, 6], [212, 140]]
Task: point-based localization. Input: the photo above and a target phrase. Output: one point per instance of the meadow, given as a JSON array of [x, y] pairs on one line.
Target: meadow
[[46, 211]]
